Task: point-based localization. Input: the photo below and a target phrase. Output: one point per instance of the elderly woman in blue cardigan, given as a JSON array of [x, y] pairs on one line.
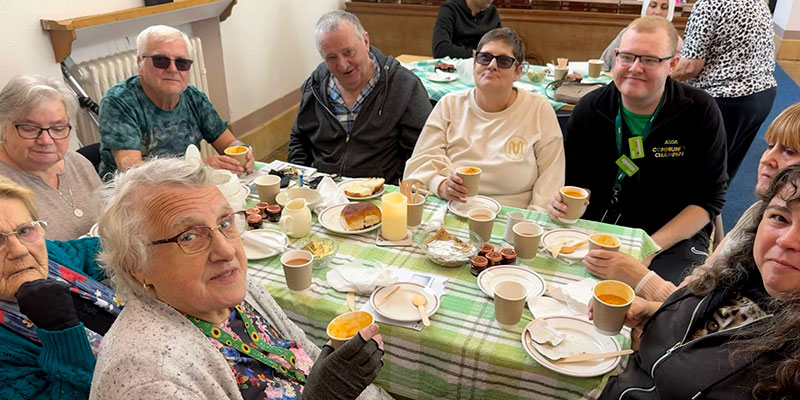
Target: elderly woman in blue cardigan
[[53, 310]]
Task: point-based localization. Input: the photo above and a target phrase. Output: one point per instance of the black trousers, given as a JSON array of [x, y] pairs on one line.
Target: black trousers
[[676, 262], [743, 117]]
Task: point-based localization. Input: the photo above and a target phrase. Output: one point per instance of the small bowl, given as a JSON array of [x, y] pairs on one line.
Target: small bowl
[[357, 320], [320, 260], [312, 196], [451, 260]]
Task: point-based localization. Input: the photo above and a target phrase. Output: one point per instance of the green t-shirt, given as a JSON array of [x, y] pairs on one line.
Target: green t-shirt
[[635, 122], [130, 121]]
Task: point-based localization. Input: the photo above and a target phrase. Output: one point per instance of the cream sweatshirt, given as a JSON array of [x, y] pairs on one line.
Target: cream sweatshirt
[[519, 149]]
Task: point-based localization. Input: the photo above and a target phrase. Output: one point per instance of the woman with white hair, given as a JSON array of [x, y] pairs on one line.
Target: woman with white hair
[[35, 114], [171, 245], [660, 8]]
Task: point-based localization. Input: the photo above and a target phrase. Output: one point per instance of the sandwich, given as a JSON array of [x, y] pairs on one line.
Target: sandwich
[[364, 188], [358, 216]]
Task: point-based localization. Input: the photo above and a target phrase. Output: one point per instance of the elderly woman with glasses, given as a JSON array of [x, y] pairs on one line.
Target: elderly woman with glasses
[[193, 327], [510, 134], [53, 311], [35, 114]]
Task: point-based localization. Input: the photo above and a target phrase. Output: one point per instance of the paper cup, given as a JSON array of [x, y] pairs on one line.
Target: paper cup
[[560, 73], [237, 152], [509, 300], [595, 68], [471, 177], [268, 187], [575, 199], [610, 303], [297, 269], [604, 241], [512, 219], [526, 239], [481, 221], [346, 326], [414, 213]]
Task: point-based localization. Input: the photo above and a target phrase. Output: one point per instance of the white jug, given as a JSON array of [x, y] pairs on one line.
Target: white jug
[[296, 219]]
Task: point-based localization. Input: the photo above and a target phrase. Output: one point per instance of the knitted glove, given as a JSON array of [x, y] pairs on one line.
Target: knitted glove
[[344, 373], [48, 304]]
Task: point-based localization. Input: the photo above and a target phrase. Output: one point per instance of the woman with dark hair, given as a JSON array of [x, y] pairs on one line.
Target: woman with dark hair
[[732, 332]]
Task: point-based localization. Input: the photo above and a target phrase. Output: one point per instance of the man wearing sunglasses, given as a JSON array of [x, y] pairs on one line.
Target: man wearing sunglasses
[[650, 150], [361, 111], [157, 113]]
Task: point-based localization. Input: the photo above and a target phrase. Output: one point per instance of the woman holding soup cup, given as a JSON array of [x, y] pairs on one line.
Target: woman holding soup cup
[[511, 136]]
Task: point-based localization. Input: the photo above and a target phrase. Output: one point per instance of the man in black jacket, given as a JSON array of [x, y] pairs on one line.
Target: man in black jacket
[[460, 25], [361, 112], [650, 150]]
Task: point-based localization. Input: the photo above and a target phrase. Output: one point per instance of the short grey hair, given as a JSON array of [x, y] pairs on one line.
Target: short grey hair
[[330, 22], [507, 36], [122, 224], [159, 33], [25, 93]]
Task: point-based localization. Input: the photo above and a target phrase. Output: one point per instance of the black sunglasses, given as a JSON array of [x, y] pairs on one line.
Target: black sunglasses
[[162, 62], [504, 62]]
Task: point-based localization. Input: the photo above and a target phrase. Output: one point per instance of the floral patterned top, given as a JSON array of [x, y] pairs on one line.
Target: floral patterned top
[[256, 380]]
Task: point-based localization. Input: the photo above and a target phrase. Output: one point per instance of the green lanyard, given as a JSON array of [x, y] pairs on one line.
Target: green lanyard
[[623, 159], [213, 331]]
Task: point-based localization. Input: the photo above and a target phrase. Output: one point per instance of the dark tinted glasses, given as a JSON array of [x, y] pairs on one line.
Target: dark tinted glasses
[[504, 62], [162, 62]]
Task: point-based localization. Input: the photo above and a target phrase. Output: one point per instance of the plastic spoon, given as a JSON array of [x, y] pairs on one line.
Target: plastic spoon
[[351, 300], [420, 301], [571, 248]]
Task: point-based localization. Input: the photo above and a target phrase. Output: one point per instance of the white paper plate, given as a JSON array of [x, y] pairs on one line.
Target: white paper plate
[[490, 277], [442, 76], [461, 209], [581, 332], [329, 219], [344, 185], [399, 307], [263, 243], [571, 236]]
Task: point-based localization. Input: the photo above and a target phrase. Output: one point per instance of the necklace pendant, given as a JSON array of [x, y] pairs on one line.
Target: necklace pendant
[[78, 213]]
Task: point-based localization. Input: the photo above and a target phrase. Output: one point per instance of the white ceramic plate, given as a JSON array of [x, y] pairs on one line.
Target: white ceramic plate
[[399, 307], [344, 185], [582, 334], [442, 76], [329, 219], [461, 209], [263, 243], [490, 277], [571, 236]]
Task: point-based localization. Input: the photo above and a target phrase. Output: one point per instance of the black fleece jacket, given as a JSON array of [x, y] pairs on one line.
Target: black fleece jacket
[[457, 32]]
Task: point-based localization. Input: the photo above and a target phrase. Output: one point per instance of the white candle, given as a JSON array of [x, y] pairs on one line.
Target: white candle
[[393, 208]]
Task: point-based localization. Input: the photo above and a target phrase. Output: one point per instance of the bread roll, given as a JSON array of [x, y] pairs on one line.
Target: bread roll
[[357, 216], [364, 188]]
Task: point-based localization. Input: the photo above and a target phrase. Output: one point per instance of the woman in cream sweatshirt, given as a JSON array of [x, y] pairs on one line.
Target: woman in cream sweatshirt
[[512, 135]]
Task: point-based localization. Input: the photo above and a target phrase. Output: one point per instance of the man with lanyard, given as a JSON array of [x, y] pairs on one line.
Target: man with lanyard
[[650, 150]]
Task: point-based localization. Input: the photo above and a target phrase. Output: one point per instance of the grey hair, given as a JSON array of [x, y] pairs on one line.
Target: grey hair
[[507, 36], [24, 93], [122, 225], [159, 33], [330, 22]]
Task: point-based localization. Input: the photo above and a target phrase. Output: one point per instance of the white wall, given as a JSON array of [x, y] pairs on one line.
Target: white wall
[[787, 15], [269, 49]]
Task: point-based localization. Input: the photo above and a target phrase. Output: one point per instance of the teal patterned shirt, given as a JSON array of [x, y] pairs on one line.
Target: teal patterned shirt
[[129, 120]]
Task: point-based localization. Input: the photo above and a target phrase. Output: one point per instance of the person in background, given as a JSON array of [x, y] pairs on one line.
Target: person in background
[[53, 310], [650, 150], [361, 111], [35, 115], [460, 25], [659, 8], [157, 112], [730, 53], [732, 332], [511, 134], [193, 327], [783, 150]]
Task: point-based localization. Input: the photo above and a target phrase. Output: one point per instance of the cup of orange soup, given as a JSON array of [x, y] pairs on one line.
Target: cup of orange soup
[[471, 177], [604, 241], [346, 326], [237, 152], [610, 303], [575, 199]]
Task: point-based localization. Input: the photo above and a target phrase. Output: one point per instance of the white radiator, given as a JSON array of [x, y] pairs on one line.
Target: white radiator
[[98, 75]]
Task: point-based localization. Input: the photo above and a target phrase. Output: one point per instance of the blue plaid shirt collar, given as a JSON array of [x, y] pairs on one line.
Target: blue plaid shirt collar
[[345, 115]]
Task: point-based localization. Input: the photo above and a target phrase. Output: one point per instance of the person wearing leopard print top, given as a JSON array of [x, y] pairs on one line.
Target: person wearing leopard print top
[[729, 52]]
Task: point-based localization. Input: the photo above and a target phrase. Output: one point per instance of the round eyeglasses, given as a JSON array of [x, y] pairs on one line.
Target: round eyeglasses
[[198, 238]]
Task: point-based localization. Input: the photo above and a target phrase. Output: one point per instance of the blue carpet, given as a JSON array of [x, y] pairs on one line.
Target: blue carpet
[[740, 193]]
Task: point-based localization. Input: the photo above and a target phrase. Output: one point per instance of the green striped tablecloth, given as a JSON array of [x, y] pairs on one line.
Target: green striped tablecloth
[[437, 90], [463, 354]]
